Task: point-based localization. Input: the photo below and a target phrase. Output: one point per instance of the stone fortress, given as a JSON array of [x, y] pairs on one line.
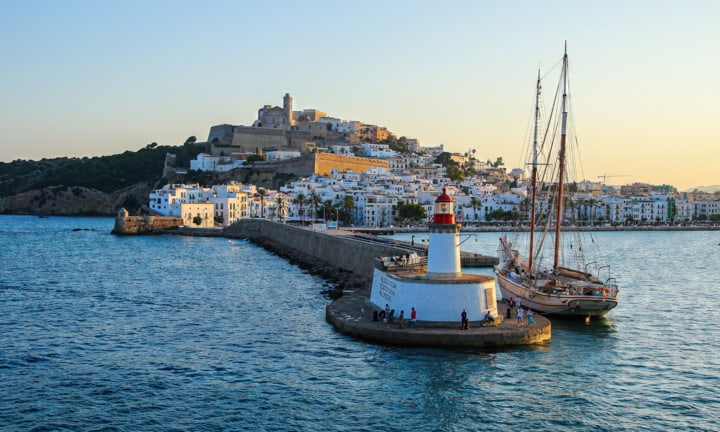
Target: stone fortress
[[284, 129]]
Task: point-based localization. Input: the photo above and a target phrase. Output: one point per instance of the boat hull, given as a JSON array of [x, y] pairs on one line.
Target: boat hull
[[556, 304]]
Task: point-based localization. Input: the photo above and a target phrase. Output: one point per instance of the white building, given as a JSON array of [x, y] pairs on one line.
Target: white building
[[230, 203], [206, 162], [397, 164], [277, 155], [378, 150], [166, 201], [198, 215], [376, 210]]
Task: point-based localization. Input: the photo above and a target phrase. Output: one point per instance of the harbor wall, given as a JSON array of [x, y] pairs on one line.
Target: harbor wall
[[332, 251]]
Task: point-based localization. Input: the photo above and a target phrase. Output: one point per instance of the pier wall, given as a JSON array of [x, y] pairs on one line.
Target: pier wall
[[333, 251]]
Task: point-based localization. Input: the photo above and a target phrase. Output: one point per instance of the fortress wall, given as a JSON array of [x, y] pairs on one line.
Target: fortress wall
[[145, 224], [325, 162], [321, 163]]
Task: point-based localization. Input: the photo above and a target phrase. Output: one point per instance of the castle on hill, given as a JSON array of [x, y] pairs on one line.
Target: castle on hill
[[285, 129]]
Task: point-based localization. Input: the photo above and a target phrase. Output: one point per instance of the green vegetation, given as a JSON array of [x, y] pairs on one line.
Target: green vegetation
[[410, 212], [103, 173], [503, 215], [397, 144], [255, 158]]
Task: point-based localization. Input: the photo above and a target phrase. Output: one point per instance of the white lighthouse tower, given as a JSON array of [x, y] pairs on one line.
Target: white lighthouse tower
[[444, 248], [439, 291]]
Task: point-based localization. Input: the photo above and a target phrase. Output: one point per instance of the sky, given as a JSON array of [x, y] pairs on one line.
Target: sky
[[90, 78]]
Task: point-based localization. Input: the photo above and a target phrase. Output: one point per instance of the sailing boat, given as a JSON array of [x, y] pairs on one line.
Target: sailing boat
[[553, 287]]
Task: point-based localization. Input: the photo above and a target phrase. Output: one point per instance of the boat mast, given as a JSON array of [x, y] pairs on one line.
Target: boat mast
[[561, 161], [533, 177]]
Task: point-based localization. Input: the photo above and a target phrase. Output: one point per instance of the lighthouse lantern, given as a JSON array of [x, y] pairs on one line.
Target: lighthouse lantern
[[444, 209]]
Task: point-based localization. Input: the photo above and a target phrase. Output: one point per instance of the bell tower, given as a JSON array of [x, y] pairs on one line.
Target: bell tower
[[288, 109]]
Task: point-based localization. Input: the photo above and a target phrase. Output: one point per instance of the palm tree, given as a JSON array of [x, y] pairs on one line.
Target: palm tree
[[261, 193], [475, 203], [314, 200], [300, 201], [348, 204], [328, 209]]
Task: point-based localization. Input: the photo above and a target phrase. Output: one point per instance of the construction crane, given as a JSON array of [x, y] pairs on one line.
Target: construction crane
[[606, 176]]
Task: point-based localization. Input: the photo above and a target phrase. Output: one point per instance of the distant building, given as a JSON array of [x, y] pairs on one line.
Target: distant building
[[192, 213], [206, 162]]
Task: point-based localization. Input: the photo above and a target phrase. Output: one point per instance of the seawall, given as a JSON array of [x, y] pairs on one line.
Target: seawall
[[334, 252]]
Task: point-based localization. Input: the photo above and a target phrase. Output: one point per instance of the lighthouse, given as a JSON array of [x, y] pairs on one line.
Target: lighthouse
[[444, 239], [440, 291]]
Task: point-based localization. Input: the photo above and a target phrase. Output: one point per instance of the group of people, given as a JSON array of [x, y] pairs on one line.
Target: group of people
[[388, 317], [516, 303], [488, 319]]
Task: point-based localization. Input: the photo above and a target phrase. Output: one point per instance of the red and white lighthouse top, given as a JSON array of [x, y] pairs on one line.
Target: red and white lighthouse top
[[444, 211]]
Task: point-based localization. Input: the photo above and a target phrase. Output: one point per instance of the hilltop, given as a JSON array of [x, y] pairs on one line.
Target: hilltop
[[86, 186], [100, 186], [708, 189]]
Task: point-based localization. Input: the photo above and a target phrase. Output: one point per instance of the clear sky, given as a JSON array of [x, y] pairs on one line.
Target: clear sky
[[98, 77]]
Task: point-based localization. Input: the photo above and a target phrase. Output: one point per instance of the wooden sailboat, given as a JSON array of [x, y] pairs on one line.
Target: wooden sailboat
[[553, 288]]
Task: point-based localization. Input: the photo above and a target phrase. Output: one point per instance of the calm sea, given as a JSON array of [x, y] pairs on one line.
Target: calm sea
[[169, 333]]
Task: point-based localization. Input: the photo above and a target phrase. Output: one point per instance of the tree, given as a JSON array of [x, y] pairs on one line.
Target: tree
[[300, 201], [475, 203], [413, 212], [454, 173], [261, 193], [329, 210], [348, 205], [314, 200], [445, 159], [191, 140], [197, 220], [254, 158]]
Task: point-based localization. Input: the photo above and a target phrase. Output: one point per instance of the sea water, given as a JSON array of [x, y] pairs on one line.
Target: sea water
[[171, 333]]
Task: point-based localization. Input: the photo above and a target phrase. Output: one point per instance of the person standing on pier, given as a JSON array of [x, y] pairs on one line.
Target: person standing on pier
[[413, 317], [464, 320], [520, 315]]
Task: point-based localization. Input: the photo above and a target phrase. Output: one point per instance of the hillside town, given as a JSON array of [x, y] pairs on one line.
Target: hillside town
[[397, 184]]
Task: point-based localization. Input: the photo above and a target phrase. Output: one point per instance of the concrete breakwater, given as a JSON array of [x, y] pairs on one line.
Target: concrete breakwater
[[335, 255]]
